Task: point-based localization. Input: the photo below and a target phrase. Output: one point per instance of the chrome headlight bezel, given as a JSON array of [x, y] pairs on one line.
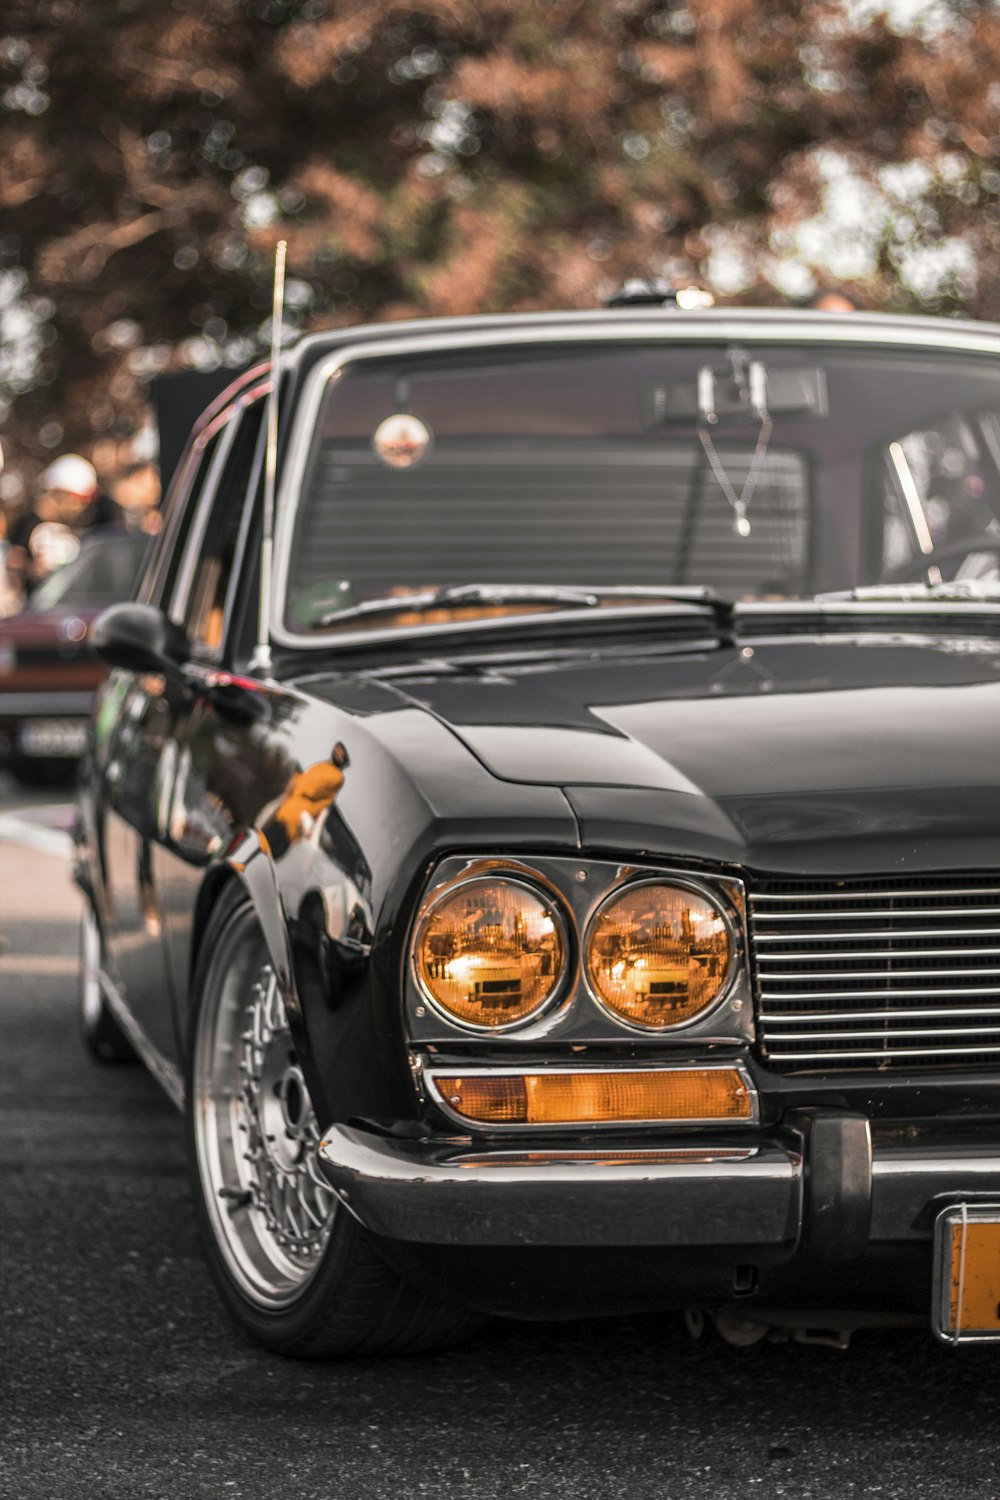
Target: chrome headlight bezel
[[574, 1016], [667, 882], [500, 877]]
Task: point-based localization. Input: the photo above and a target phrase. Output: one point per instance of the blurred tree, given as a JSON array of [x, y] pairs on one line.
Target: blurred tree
[[450, 156]]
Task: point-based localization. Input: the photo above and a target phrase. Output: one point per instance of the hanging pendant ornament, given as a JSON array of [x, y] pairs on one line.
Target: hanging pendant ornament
[[740, 502], [752, 380], [402, 440]]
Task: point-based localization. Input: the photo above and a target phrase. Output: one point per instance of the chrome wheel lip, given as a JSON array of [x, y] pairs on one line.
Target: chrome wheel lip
[[245, 1181], [91, 999]]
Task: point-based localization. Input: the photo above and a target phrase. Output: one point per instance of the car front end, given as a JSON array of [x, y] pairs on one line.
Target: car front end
[[602, 816], [786, 1120], [737, 1049]]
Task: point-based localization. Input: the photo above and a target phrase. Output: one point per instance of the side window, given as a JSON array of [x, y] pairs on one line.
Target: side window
[[940, 489], [180, 510], [219, 537]]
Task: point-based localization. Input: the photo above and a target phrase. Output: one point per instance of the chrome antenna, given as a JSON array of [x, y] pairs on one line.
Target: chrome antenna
[[262, 654]]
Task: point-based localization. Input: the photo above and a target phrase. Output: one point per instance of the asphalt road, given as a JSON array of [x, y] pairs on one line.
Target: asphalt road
[[121, 1376]]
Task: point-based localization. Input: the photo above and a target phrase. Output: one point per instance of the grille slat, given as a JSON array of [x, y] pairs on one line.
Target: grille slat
[[864, 974], [801, 1018], [959, 892], [909, 994], [877, 913], [888, 932], [869, 953], [878, 1057], [827, 984], [888, 1034]]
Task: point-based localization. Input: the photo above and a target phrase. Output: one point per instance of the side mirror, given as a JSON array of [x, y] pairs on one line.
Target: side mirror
[[139, 638]]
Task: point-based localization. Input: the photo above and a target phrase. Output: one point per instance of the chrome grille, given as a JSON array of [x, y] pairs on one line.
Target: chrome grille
[[878, 973]]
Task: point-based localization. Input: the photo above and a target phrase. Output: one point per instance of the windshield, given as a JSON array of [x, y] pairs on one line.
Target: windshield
[[104, 571], [758, 471]]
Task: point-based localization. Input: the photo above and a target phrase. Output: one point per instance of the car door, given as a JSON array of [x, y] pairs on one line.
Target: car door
[[143, 763], [203, 770]]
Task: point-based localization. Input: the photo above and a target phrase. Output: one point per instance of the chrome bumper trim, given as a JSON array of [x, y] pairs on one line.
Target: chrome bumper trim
[[908, 1189], [707, 1191], [688, 1193]]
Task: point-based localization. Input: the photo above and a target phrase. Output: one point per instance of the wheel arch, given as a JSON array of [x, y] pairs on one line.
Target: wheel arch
[[247, 865], [354, 1067]]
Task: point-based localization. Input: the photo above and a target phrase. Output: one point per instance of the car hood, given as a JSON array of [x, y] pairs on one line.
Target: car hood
[[796, 753]]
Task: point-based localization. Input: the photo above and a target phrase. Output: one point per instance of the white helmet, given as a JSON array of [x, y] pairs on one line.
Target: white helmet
[[71, 473]]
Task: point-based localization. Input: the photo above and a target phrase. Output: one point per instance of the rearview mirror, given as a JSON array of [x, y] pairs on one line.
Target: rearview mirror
[[139, 638]]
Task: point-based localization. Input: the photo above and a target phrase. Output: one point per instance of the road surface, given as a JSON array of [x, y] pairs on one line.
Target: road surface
[[121, 1375]]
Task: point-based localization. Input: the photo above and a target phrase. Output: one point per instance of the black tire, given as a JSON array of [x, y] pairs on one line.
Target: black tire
[[350, 1302], [101, 1032]]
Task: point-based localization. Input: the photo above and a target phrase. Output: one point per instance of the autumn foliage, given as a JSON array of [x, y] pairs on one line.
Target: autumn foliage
[[452, 157]]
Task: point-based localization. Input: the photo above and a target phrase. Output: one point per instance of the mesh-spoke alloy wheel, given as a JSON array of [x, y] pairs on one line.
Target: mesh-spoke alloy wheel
[[295, 1268], [257, 1136]]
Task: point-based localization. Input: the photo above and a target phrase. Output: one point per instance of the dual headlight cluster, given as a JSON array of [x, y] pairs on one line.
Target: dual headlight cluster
[[495, 953]]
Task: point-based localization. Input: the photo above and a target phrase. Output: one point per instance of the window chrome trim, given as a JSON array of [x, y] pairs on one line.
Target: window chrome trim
[[500, 877], [754, 326], [240, 411], [429, 1075], [240, 552], [180, 597], [683, 883]]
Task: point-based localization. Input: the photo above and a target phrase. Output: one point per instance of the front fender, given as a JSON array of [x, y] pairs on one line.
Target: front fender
[[248, 860], [335, 1035]]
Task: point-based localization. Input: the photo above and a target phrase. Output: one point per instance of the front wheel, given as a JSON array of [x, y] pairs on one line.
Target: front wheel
[[298, 1273]]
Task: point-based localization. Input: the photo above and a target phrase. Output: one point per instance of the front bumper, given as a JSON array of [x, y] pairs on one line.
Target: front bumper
[[816, 1185]]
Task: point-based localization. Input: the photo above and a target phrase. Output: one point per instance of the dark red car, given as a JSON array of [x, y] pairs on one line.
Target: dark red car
[[48, 672]]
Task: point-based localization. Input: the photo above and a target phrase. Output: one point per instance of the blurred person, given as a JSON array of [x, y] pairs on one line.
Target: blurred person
[[135, 491], [10, 600], [68, 503], [833, 299]]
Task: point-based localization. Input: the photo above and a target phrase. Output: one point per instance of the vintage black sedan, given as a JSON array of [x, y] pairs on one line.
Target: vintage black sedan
[[562, 876]]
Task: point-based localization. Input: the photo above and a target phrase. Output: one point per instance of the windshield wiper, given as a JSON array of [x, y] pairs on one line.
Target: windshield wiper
[[527, 593], [956, 591]]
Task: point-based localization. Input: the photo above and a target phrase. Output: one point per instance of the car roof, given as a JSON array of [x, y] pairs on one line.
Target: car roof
[[705, 323], [784, 324]]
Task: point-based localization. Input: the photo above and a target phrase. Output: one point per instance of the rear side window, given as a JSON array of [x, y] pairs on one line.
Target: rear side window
[[217, 541], [179, 513]]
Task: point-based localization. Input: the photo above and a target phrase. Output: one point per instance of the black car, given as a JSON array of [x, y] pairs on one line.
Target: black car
[[580, 891]]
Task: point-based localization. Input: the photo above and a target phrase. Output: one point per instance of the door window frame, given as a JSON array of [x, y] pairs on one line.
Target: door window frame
[[228, 422]]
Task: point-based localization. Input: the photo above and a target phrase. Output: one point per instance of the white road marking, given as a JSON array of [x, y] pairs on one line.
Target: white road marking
[[17, 830], [37, 963]]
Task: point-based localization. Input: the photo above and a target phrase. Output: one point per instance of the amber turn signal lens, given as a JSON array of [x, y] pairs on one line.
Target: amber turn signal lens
[[491, 953], [657, 955], [669, 1094]]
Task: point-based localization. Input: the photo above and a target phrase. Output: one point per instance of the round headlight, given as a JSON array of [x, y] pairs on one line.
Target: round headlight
[[658, 955], [491, 953]]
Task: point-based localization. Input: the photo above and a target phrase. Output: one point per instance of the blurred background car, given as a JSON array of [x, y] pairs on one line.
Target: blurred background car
[[48, 672]]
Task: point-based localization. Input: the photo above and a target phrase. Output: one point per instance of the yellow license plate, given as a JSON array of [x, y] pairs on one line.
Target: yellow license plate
[[967, 1273]]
